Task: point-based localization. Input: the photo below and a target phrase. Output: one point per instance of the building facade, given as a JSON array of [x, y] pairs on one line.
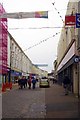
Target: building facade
[[68, 51], [18, 63]]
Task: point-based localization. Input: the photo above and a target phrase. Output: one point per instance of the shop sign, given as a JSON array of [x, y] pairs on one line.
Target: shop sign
[[70, 20], [77, 59], [77, 20], [15, 73]]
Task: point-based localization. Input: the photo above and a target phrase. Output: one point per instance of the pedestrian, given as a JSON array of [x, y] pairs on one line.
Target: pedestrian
[[33, 82], [29, 82], [66, 84], [20, 83], [25, 81]]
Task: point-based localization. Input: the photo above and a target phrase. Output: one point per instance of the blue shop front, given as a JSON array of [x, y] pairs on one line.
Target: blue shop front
[[15, 76]]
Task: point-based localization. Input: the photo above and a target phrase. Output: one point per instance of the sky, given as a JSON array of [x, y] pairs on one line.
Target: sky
[[33, 30]]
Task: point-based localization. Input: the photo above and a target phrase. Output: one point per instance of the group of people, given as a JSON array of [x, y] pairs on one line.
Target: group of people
[[31, 81], [26, 82]]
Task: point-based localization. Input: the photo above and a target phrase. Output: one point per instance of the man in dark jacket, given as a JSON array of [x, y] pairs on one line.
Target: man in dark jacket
[[34, 82], [22, 82], [66, 84]]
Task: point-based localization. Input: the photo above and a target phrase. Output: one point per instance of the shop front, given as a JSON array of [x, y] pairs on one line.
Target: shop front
[[15, 76], [69, 69]]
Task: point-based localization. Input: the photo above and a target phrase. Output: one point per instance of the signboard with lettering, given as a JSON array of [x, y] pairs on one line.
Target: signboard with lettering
[[70, 20], [77, 20]]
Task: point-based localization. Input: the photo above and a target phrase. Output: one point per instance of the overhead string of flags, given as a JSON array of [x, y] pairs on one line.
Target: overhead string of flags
[[41, 42], [58, 12], [70, 20]]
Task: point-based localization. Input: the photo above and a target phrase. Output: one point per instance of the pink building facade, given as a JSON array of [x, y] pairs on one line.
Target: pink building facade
[[3, 44]]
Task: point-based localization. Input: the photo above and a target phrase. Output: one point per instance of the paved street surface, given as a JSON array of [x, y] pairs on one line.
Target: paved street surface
[[24, 103], [39, 103], [60, 106]]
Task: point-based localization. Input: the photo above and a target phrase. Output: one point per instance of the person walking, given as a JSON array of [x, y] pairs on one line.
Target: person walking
[[25, 81], [29, 82], [21, 82], [33, 82], [66, 84]]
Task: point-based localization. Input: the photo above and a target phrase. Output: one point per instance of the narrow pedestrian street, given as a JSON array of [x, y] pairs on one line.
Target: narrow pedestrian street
[[39, 103]]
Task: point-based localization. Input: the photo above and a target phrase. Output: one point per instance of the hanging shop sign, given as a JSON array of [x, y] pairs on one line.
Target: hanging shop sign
[[77, 20], [77, 59], [70, 20]]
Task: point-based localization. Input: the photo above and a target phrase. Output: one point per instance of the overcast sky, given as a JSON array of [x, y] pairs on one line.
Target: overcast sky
[[33, 30]]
